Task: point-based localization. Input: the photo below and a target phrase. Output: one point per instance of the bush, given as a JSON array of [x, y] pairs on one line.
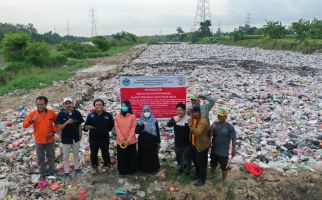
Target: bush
[[14, 46], [55, 59], [101, 43], [238, 35], [37, 53], [73, 49], [18, 66]]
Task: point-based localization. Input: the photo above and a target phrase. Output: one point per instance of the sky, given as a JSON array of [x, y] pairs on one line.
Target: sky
[[150, 17]]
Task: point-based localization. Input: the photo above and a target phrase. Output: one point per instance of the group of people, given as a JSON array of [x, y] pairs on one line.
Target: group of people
[[138, 141]]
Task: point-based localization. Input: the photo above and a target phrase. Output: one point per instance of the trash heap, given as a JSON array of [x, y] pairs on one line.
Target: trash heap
[[274, 97]]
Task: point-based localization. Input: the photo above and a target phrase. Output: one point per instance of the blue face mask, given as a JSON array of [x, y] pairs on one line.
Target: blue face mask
[[124, 109]]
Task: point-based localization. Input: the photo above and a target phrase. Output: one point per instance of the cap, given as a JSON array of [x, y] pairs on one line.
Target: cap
[[194, 97], [195, 108], [67, 99], [222, 112]]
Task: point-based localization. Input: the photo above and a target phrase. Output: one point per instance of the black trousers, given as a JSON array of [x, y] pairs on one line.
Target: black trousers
[[200, 161], [183, 157], [94, 147], [127, 160]]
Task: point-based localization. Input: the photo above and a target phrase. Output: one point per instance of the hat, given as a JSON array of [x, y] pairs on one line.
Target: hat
[[195, 108], [68, 99], [222, 112], [194, 97]]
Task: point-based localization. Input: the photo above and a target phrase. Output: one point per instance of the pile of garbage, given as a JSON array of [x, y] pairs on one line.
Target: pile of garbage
[[274, 97]]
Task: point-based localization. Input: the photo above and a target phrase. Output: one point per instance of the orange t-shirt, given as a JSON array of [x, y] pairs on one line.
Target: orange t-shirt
[[44, 124]]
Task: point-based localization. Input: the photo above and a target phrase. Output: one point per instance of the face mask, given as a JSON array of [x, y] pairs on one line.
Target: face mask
[[147, 114], [124, 108]]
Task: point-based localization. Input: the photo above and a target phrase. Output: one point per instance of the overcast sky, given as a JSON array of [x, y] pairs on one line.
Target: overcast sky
[[149, 17]]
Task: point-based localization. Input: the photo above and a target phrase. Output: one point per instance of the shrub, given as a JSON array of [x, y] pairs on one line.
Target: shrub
[[37, 53], [14, 45], [55, 59], [101, 43]]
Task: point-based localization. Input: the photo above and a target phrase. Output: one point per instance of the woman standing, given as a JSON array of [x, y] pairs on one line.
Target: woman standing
[[125, 123], [148, 142]]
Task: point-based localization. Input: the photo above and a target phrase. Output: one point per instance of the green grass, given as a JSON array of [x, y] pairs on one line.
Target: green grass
[[118, 50], [42, 77]]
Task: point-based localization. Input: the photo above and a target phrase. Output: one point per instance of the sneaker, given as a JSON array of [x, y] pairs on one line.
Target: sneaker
[[199, 183]]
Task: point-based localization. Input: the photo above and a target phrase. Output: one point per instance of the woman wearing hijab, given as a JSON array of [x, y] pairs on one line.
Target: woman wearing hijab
[[125, 123], [148, 142]]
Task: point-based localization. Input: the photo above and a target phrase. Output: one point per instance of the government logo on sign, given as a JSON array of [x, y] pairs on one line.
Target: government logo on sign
[[126, 82]]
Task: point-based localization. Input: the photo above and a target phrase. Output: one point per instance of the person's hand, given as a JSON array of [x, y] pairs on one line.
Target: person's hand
[[69, 121], [213, 126], [34, 118], [176, 118], [50, 135], [233, 152], [145, 123]]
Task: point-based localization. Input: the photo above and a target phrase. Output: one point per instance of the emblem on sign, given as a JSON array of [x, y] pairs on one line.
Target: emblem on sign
[[126, 82]]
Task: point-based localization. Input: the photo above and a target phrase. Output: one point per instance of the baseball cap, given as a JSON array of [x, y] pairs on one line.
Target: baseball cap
[[222, 112], [68, 99]]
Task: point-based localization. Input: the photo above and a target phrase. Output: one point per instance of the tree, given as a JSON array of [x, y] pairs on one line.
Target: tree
[[301, 29], [180, 31], [274, 30], [37, 53], [101, 43], [315, 30], [14, 46], [204, 29]]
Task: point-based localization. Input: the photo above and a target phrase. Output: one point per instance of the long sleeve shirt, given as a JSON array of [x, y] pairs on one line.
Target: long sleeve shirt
[[125, 128]]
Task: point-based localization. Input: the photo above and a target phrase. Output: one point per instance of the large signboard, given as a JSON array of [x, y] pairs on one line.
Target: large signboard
[[161, 93]]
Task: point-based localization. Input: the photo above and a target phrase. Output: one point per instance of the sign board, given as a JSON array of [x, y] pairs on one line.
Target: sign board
[[161, 93]]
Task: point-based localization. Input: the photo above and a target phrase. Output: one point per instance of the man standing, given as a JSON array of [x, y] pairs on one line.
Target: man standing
[[69, 123], [43, 122], [200, 144], [99, 124], [181, 139], [223, 134]]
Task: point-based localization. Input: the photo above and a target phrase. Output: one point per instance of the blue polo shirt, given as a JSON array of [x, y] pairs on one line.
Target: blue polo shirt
[[70, 134]]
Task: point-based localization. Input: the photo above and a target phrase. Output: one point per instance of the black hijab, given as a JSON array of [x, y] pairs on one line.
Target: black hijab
[[128, 104]]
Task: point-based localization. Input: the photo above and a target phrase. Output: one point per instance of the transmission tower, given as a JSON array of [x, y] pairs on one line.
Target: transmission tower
[[202, 13], [94, 30], [248, 19], [67, 28]]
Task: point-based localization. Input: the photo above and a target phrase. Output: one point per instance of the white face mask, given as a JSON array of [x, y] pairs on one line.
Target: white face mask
[[146, 114]]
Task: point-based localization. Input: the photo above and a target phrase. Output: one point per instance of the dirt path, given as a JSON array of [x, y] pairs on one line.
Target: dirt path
[[56, 92]]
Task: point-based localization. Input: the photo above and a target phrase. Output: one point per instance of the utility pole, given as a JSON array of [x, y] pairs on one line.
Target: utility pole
[[92, 15], [202, 13], [67, 28]]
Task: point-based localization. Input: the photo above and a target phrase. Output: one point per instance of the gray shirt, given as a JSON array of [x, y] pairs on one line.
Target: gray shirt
[[223, 134]]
